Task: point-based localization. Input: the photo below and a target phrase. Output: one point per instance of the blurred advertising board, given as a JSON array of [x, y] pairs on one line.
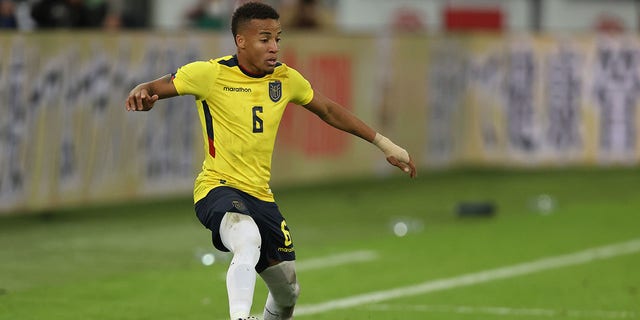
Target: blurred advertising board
[[451, 100]]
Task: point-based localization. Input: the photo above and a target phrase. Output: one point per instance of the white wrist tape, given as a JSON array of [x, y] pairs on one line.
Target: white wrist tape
[[390, 149]]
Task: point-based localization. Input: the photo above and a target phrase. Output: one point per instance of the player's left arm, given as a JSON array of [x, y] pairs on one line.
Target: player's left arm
[[341, 118]]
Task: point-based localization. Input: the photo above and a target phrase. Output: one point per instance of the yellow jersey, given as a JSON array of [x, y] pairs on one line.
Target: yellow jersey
[[240, 114]]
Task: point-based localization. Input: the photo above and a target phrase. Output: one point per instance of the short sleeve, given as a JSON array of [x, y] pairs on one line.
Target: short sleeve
[[301, 91], [195, 78]]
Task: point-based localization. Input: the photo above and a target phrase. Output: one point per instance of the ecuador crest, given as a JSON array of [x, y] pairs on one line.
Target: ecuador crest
[[275, 90]]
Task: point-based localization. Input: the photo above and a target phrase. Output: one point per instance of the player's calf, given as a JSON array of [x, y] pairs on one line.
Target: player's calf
[[240, 234], [283, 290]]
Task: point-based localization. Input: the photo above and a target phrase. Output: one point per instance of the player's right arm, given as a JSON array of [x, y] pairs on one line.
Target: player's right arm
[[144, 95], [194, 79]]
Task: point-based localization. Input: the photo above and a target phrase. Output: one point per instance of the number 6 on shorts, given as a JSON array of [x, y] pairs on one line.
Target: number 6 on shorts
[[287, 235]]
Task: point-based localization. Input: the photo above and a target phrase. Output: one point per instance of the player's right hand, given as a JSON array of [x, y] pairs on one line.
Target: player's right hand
[[140, 100]]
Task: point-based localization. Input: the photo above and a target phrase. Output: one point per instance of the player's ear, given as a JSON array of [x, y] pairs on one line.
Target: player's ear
[[240, 41]]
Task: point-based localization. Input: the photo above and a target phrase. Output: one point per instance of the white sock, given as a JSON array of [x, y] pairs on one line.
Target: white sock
[[241, 280], [272, 310], [239, 233]]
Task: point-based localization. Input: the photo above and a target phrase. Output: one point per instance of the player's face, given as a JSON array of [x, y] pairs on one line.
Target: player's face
[[258, 44]]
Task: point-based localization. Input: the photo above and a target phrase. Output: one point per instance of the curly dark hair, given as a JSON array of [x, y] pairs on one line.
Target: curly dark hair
[[249, 11]]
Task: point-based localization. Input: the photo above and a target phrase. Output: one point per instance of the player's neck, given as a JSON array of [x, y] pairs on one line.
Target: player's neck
[[254, 74]]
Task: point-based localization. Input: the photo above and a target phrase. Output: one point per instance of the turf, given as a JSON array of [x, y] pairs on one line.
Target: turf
[[141, 260]]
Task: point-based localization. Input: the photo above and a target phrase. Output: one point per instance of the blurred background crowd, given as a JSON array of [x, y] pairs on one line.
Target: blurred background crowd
[[341, 15], [29, 15]]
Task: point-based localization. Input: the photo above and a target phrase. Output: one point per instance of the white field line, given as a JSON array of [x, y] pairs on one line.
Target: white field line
[[572, 259], [511, 312]]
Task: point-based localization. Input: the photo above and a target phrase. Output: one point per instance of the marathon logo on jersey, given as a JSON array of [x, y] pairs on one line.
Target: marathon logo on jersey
[[275, 90], [236, 89]]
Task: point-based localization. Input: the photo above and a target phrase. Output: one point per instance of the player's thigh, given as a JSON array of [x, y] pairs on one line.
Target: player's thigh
[[211, 209]]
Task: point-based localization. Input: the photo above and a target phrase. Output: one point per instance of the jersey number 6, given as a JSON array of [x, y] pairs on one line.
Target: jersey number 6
[[257, 121]]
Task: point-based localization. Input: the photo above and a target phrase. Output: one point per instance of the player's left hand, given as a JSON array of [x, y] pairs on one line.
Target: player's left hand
[[396, 155], [407, 167]]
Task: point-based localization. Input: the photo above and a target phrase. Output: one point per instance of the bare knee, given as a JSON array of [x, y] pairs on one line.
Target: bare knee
[[282, 283]]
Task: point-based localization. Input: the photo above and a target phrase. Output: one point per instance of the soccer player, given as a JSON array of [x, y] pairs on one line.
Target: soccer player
[[240, 100]]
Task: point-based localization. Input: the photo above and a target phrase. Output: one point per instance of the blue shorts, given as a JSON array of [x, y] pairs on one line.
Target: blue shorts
[[276, 239]]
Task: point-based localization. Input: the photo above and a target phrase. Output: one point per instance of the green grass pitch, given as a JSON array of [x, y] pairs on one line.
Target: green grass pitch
[[141, 260]]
